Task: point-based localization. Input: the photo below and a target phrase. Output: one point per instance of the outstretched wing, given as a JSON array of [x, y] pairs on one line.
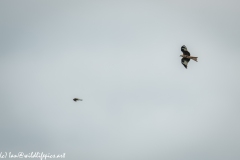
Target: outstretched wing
[[185, 62], [184, 50]]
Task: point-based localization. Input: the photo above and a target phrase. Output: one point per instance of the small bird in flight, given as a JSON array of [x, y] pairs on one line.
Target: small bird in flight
[[186, 56], [77, 99]]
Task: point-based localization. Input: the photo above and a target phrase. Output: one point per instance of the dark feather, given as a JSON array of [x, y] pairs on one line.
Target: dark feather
[[184, 50], [185, 62]]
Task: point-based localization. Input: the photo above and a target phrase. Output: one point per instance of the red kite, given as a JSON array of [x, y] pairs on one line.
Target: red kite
[[186, 56]]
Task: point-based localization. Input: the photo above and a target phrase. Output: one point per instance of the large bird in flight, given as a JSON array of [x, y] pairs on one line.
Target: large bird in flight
[[186, 56], [77, 99]]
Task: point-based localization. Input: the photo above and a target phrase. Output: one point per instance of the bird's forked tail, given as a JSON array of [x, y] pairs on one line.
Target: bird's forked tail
[[193, 58]]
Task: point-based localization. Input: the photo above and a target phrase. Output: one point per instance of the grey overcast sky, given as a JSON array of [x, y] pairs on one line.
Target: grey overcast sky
[[122, 58]]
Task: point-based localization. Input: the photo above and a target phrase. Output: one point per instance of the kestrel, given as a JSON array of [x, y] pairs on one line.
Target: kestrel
[[77, 99]]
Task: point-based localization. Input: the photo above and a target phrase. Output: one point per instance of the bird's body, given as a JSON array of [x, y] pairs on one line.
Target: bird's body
[[77, 99], [186, 56]]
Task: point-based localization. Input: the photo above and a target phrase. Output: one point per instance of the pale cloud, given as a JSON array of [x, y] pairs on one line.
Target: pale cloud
[[122, 59]]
